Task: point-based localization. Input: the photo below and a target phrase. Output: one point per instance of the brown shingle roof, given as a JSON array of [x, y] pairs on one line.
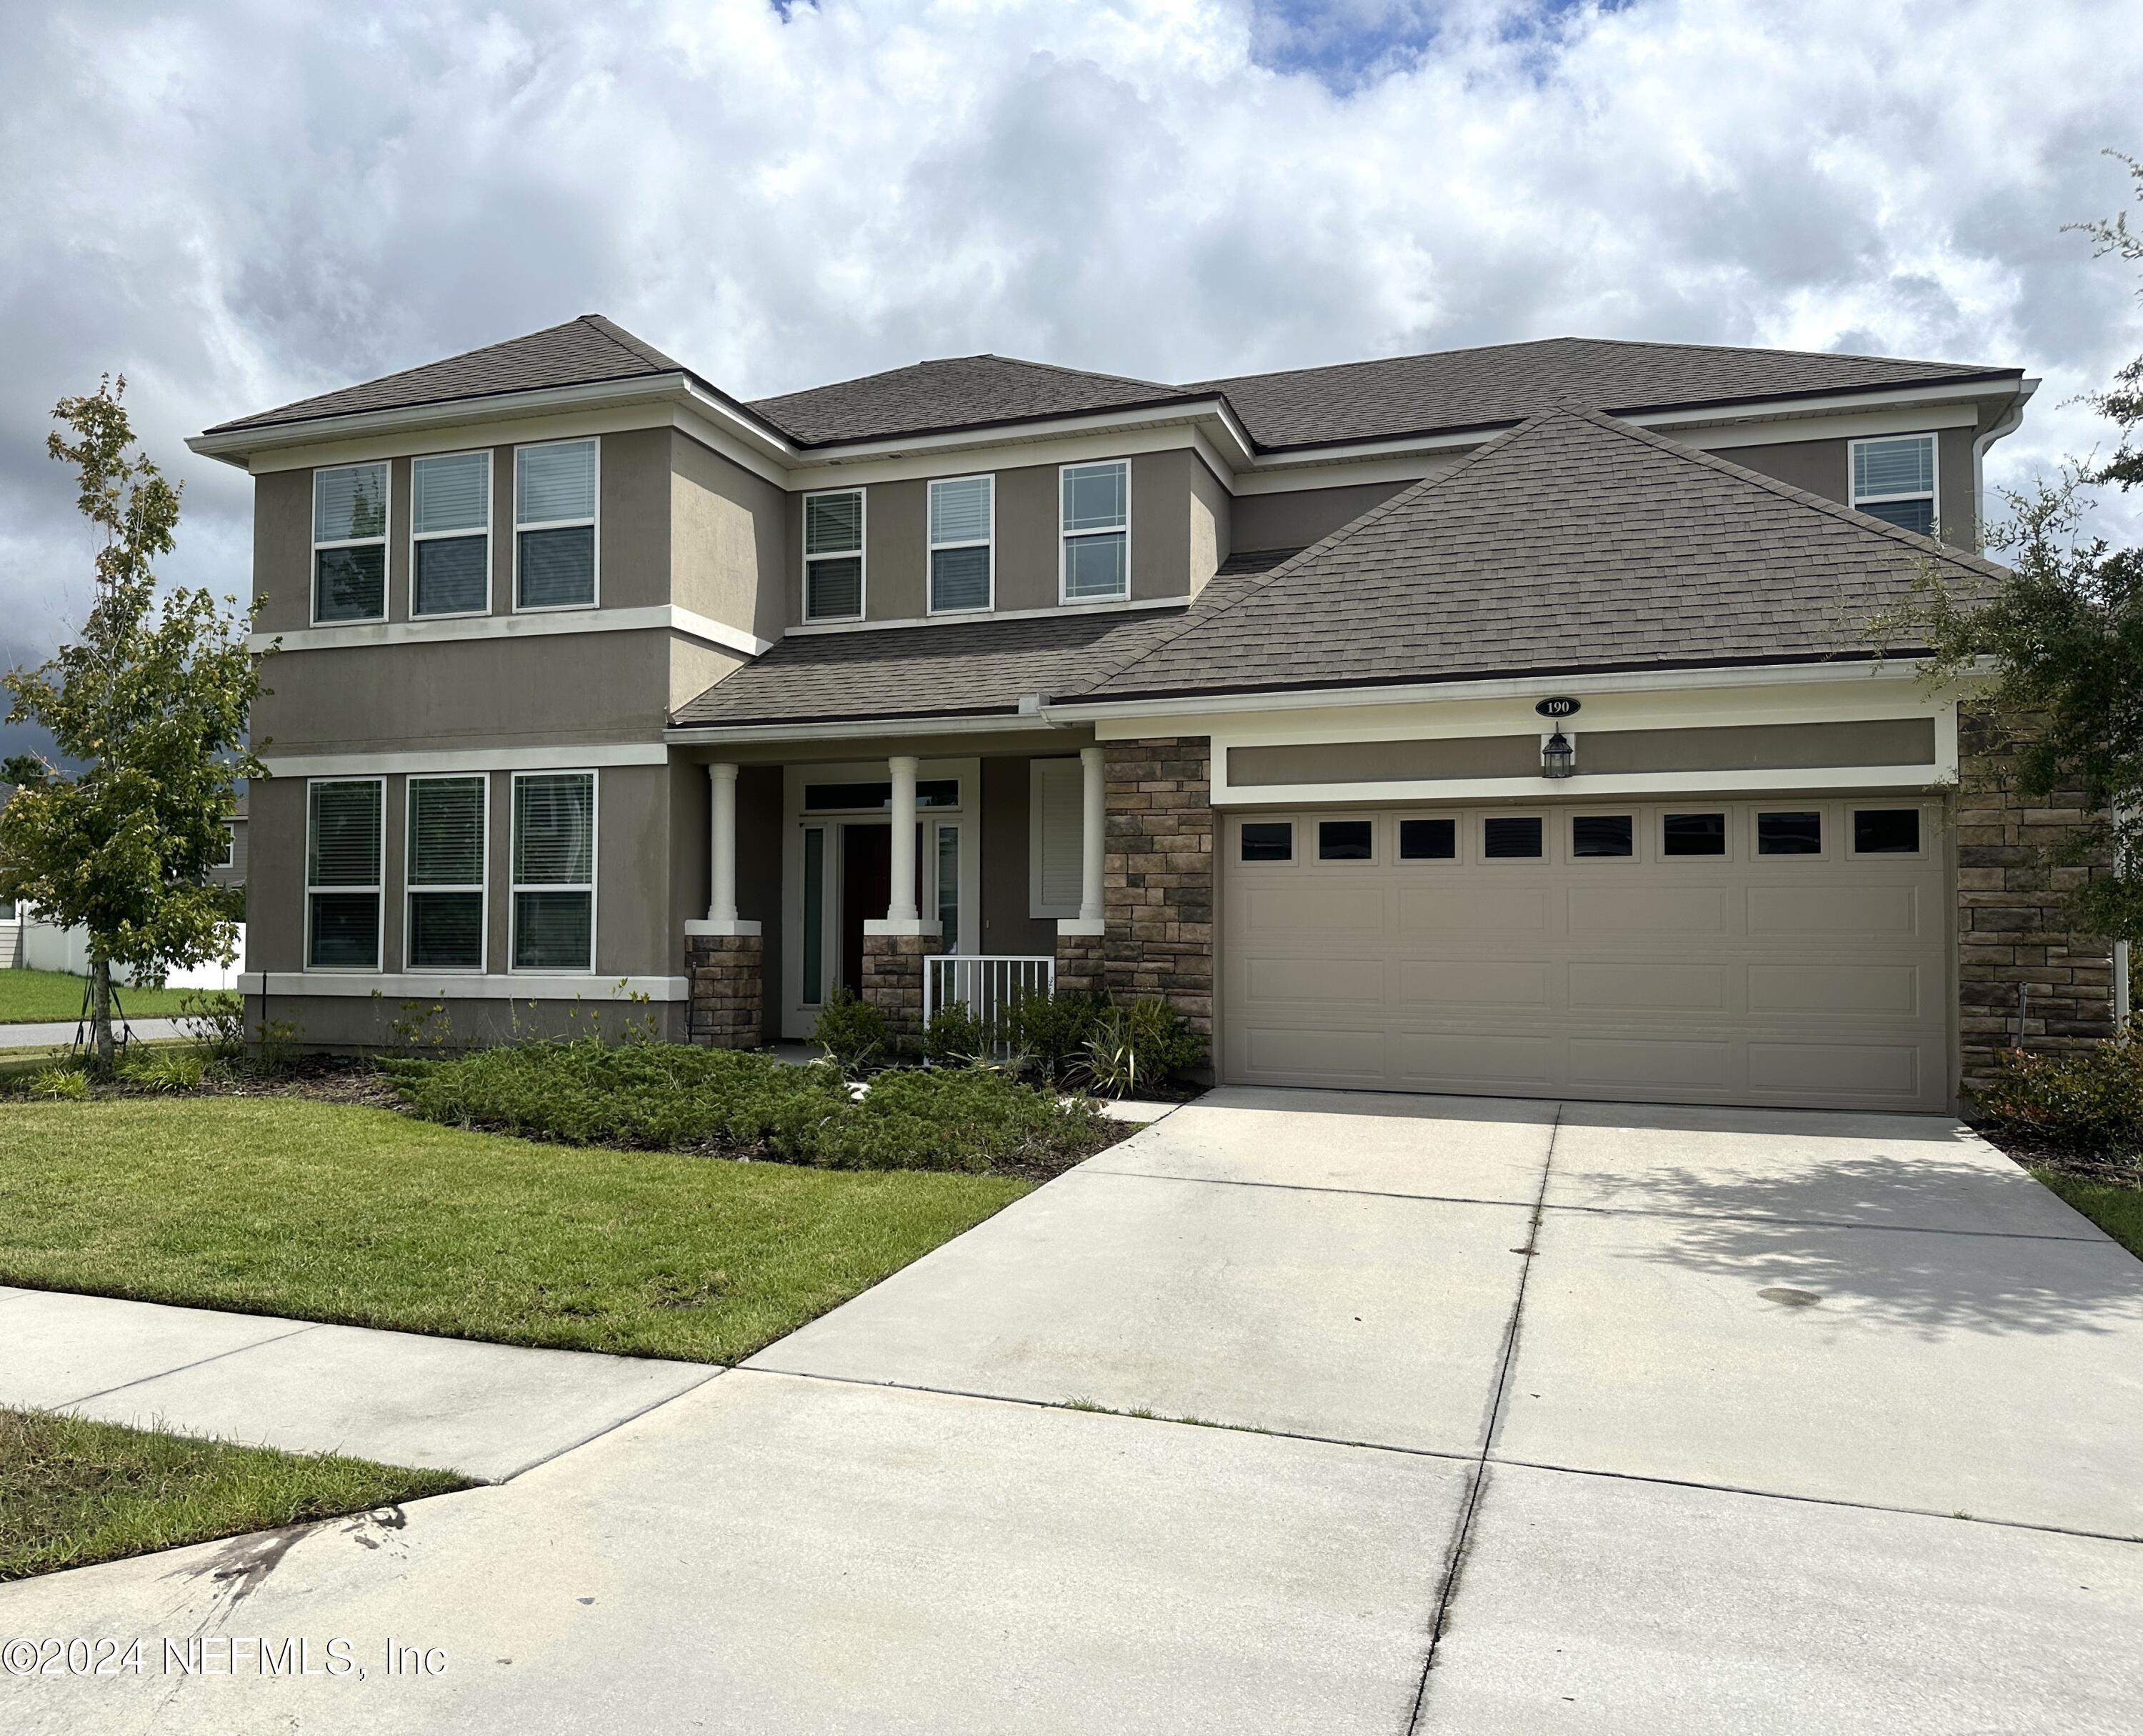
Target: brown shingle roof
[[959, 391], [1574, 541]]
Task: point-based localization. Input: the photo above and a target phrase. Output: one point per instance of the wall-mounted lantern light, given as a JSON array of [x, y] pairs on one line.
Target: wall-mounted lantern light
[[1558, 756]]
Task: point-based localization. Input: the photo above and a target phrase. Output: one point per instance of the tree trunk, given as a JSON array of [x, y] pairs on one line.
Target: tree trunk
[[100, 1015]]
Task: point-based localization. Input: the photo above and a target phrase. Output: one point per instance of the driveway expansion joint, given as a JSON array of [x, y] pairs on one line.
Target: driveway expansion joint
[[198, 1362], [1306, 1187]]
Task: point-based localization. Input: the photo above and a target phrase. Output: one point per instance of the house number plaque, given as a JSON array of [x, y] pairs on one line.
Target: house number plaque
[[1555, 708]]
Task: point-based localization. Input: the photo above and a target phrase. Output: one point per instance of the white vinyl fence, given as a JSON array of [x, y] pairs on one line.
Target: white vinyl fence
[[985, 985]]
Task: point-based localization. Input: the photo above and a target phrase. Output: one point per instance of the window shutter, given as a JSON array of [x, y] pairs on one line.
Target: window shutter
[[451, 494], [1059, 797]]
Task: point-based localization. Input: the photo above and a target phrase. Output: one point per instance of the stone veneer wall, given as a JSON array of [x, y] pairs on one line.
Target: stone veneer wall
[[2011, 934], [725, 973], [1157, 881], [893, 981]]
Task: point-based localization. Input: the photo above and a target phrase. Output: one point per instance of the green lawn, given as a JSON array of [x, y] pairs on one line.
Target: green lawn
[[2115, 1208], [325, 1211], [41, 997], [73, 1492]]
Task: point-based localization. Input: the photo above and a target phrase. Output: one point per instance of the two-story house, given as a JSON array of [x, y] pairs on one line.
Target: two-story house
[[1503, 720]]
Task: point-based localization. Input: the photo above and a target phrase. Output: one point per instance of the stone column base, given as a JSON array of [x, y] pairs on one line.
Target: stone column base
[[1081, 964], [726, 975], [893, 982]]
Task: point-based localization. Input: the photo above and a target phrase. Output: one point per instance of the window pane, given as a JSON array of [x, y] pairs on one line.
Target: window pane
[[345, 929], [1602, 834], [557, 567], [446, 931], [833, 590], [1509, 837], [1894, 466], [551, 482], [1268, 841], [1886, 831], [830, 798], [1094, 495], [1094, 567], [343, 842], [960, 578], [1345, 840], [960, 510], [948, 888], [833, 524], [452, 576], [451, 494], [1429, 840], [350, 584], [554, 829], [446, 831], [814, 916], [551, 930], [1911, 515], [350, 502], [1789, 834], [1695, 834]]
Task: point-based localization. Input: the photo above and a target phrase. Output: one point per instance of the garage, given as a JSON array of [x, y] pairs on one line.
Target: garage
[[1788, 950]]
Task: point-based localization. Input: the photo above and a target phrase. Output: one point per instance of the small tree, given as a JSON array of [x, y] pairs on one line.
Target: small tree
[[152, 703]]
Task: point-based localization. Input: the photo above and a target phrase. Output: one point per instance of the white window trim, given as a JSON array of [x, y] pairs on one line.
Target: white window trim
[[378, 889], [230, 858], [1850, 831], [515, 886], [490, 511], [1315, 854], [930, 546], [594, 522], [386, 535], [482, 887], [860, 555], [1036, 907], [1236, 859], [1545, 855], [1827, 813], [1064, 537], [1932, 496]]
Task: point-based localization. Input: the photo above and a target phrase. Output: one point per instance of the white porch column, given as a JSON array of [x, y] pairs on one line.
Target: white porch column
[[1093, 845], [721, 903], [721, 854], [901, 908]]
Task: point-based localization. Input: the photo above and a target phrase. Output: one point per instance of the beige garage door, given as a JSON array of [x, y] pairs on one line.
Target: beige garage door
[[1791, 951]]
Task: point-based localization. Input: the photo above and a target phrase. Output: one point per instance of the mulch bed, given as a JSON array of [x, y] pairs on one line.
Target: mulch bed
[[2034, 1152]]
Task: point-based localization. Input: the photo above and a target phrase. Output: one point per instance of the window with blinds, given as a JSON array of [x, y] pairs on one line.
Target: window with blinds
[[554, 871], [343, 860], [1096, 532], [450, 534], [834, 555], [1056, 819], [554, 525], [1894, 480], [445, 884], [350, 543], [962, 527]]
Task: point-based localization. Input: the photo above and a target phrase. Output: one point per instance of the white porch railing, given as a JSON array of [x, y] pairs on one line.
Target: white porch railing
[[987, 985]]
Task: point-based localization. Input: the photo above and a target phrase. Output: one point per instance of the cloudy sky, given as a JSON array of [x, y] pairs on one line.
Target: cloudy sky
[[237, 204]]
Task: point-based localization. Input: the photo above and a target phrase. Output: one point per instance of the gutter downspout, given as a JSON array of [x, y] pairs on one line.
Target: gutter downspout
[[2006, 424]]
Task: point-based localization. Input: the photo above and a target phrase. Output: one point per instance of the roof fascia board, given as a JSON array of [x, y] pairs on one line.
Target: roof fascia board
[[840, 728], [1620, 786], [1866, 397], [656, 618], [1907, 419], [1065, 443], [1229, 435]]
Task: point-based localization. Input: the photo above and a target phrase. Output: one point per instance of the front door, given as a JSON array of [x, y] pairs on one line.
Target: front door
[[866, 892]]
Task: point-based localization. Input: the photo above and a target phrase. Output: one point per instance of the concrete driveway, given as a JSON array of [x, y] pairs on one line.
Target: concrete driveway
[[1532, 1418]]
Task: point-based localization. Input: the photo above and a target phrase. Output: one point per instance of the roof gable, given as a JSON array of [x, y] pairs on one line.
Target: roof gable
[[1573, 542], [957, 392]]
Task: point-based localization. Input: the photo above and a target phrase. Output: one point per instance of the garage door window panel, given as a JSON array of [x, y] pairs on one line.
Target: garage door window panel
[[1693, 835], [1347, 840], [1789, 831], [1512, 838], [1596, 836], [1266, 841], [1429, 840], [1886, 832]]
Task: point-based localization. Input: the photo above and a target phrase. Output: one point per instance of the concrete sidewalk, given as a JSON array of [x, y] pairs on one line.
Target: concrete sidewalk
[[58, 1035], [487, 1411]]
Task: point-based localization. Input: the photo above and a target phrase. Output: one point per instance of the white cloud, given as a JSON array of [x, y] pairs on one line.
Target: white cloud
[[238, 203]]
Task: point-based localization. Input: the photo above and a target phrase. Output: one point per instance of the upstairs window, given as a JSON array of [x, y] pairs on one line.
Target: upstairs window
[[554, 525], [834, 555], [962, 524], [1096, 532], [450, 534], [1894, 480], [350, 543]]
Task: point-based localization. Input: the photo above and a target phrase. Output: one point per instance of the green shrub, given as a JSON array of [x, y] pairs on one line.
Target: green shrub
[[1051, 1031], [672, 1096], [1139, 1046], [954, 1036], [62, 1083], [852, 1030], [172, 1070], [216, 1019], [2089, 1102]]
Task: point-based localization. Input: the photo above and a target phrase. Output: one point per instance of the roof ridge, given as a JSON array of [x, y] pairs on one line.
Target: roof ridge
[[1254, 584], [638, 347], [1084, 373]]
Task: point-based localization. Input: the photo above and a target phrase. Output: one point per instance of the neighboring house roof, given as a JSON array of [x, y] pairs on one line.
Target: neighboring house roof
[[1498, 383], [585, 351], [1573, 542], [970, 668], [1445, 392], [959, 391]]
